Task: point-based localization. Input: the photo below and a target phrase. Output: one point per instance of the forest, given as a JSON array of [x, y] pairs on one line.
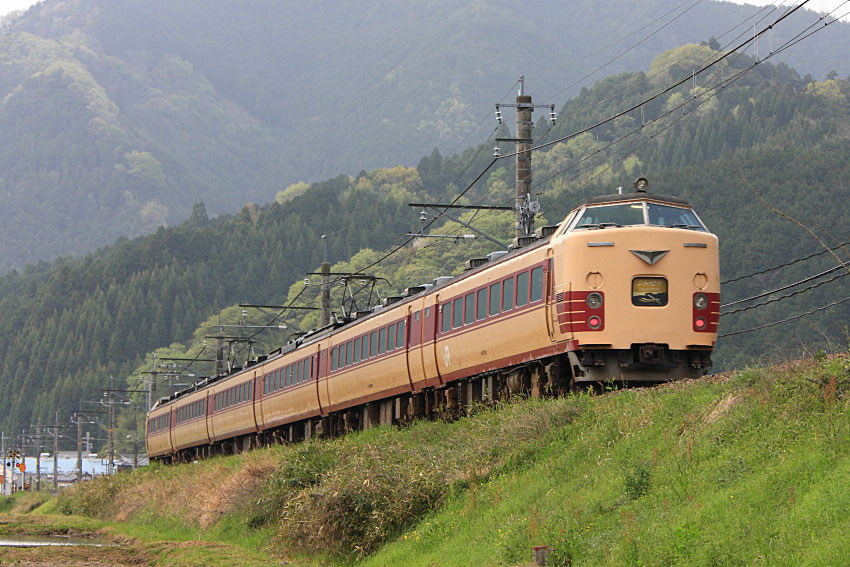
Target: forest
[[117, 116], [73, 323]]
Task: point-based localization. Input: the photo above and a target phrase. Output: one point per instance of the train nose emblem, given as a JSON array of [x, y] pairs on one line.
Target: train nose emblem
[[649, 256]]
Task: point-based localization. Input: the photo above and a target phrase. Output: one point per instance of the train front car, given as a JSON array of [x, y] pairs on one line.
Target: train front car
[[636, 289]]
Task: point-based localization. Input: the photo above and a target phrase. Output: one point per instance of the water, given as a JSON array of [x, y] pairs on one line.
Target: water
[[50, 541]]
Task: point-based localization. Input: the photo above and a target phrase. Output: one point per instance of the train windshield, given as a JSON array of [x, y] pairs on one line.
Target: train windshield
[[640, 213]]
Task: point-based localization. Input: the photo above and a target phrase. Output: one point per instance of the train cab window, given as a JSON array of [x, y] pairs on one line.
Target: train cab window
[[333, 359], [391, 337], [537, 283], [508, 297], [400, 334], [481, 309], [469, 306], [458, 313], [373, 344], [382, 341], [522, 289], [673, 217], [447, 317], [495, 296], [607, 216], [348, 349], [357, 348]]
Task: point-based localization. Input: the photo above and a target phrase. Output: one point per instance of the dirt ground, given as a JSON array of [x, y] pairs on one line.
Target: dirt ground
[[119, 551]]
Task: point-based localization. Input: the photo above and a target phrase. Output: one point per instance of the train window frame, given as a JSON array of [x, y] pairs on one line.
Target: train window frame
[[481, 301], [469, 308], [391, 337], [536, 286], [373, 344], [521, 287], [401, 338], [446, 323], [508, 296], [357, 347], [457, 314], [495, 294]]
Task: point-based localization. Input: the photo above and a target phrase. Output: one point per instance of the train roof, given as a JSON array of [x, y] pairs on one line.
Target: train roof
[[617, 198]]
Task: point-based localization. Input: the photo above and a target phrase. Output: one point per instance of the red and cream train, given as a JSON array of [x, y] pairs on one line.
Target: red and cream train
[[626, 288]]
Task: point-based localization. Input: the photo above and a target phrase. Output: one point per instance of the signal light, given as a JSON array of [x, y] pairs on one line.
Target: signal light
[[594, 322], [700, 323]]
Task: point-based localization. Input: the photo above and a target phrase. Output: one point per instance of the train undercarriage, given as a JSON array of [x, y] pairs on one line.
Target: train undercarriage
[[644, 364]]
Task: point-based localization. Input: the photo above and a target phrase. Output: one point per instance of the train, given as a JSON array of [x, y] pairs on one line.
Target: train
[[626, 289]]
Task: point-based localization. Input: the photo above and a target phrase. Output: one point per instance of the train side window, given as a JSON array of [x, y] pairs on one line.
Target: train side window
[[482, 303], [495, 296], [290, 375], [373, 344], [333, 359], [348, 347], [427, 312], [416, 316], [469, 309], [508, 297], [400, 336], [364, 352], [391, 337], [308, 369], [522, 289], [300, 371], [265, 384], [458, 313], [382, 341], [447, 317], [537, 283], [357, 348]]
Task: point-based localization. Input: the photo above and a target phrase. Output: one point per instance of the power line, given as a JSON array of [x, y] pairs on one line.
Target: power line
[[765, 326], [789, 286], [671, 87], [786, 296], [792, 262]]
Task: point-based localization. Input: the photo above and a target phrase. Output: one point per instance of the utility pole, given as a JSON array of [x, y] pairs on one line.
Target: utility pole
[[524, 125], [524, 206], [111, 430], [325, 318], [56, 454], [3, 455], [38, 457], [79, 447]]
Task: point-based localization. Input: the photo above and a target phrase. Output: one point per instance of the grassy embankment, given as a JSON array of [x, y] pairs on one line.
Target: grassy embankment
[[748, 468]]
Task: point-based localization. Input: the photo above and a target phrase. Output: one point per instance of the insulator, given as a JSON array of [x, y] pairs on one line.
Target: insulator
[[553, 117], [423, 216], [496, 151], [499, 115]]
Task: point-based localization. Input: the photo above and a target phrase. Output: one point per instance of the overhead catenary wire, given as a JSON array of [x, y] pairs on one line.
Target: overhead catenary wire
[[787, 319], [786, 264], [788, 295], [668, 88]]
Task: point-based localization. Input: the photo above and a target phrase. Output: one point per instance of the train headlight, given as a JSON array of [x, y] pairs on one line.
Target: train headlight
[[700, 301], [594, 300]]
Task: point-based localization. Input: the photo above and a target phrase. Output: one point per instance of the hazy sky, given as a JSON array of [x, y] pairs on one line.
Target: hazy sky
[[817, 5]]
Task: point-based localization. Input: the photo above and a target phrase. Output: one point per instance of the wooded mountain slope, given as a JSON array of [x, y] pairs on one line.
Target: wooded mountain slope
[[116, 116], [70, 324]]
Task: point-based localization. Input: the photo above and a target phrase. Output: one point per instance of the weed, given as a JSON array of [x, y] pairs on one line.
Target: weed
[[636, 480]]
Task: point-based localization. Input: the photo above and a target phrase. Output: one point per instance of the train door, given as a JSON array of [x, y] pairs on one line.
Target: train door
[[256, 383], [414, 341], [207, 416], [431, 317], [322, 378], [559, 319], [314, 375]]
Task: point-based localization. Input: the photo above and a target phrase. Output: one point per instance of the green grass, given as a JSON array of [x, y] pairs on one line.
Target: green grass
[[751, 469]]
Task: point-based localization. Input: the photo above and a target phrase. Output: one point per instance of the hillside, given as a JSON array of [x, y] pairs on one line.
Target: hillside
[[71, 324], [117, 116], [737, 469]]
